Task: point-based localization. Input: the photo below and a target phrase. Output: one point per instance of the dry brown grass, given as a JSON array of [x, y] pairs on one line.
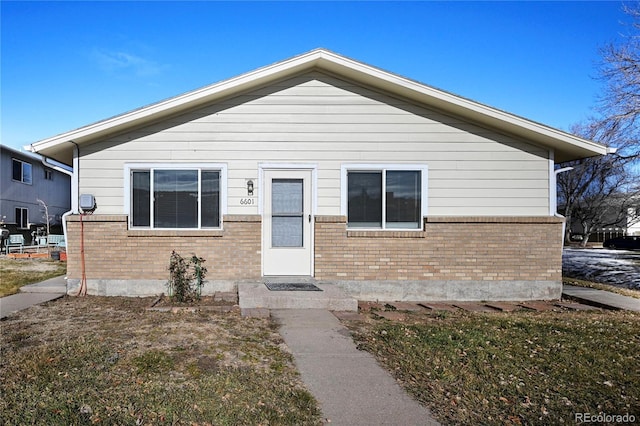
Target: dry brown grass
[[16, 273], [109, 360]]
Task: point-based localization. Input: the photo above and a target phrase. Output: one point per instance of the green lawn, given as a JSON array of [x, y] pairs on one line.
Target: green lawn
[[512, 368]]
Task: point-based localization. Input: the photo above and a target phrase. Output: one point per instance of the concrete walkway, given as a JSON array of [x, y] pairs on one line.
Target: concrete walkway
[[350, 386], [601, 298], [33, 294]]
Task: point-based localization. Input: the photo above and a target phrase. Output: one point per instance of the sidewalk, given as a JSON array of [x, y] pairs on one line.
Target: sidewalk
[[351, 388], [601, 298], [33, 294]]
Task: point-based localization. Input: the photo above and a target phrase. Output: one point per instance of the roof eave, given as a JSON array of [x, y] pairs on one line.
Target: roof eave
[[176, 105], [574, 147], [471, 110]]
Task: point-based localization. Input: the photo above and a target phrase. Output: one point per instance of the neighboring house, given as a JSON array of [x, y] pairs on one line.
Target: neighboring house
[[633, 221], [321, 166], [23, 180], [629, 224]]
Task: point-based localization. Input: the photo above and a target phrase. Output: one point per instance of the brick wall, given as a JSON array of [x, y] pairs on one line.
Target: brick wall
[[449, 249], [114, 253], [457, 258]]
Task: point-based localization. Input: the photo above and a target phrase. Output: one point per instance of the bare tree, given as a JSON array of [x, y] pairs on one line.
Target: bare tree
[[598, 194], [600, 191], [620, 70], [45, 214], [619, 104]]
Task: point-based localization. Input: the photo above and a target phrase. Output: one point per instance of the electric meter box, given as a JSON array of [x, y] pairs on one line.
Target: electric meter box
[[87, 202]]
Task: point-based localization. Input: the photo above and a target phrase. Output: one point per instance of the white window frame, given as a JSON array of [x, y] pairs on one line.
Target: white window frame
[[25, 215], [372, 167], [288, 166], [22, 163], [128, 190]]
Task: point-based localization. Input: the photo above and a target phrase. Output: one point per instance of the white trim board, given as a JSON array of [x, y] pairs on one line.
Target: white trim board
[[126, 194], [288, 166], [566, 145], [424, 202]]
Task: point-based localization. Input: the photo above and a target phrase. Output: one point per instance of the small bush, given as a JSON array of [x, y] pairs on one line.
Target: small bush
[[186, 277]]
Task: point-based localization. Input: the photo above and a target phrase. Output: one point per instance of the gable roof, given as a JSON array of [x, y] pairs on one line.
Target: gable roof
[[565, 146]]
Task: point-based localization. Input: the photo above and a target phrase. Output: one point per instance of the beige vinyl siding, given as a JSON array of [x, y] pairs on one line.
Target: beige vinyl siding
[[319, 119]]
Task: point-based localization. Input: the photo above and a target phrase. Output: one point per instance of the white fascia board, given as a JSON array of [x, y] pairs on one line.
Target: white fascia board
[[342, 66], [182, 102], [26, 153], [452, 103]]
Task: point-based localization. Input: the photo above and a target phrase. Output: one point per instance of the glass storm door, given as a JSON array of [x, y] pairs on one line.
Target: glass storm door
[[287, 222]]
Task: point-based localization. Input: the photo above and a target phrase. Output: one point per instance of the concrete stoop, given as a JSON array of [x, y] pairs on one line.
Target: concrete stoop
[[256, 295]]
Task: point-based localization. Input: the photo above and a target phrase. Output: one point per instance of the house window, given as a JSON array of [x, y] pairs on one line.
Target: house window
[[48, 174], [21, 171], [175, 198], [22, 217], [385, 198]]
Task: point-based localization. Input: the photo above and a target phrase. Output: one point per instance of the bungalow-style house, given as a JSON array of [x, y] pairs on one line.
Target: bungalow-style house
[[320, 166], [25, 179]]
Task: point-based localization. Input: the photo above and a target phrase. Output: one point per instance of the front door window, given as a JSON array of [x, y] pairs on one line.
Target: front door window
[[287, 213]]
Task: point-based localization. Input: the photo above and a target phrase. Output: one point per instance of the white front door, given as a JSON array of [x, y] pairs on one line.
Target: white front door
[[287, 222]]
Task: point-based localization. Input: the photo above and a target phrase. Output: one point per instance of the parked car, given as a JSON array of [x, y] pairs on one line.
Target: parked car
[[629, 243]]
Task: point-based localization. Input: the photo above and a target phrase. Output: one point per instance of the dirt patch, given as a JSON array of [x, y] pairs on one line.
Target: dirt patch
[[217, 299], [28, 265], [127, 322]]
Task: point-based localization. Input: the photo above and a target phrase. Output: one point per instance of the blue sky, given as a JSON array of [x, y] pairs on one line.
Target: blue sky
[[68, 64]]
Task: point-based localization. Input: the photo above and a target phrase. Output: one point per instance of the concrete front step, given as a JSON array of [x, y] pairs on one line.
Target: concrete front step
[[257, 295]]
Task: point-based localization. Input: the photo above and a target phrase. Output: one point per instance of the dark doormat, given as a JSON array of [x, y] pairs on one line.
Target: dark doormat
[[292, 287]]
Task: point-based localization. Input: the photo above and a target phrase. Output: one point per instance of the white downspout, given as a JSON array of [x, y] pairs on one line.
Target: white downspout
[[74, 194], [74, 190], [74, 185], [555, 206]]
